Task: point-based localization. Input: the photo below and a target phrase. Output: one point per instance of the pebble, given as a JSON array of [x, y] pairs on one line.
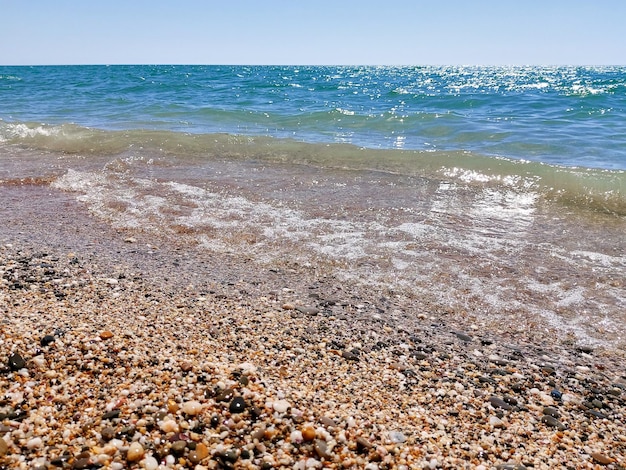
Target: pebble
[[281, 406], [321, 448], [108, 433], [82, 463], [311, 311], [200, 453], [308, 433], [499, 403], [350, 356], [463, 337], [238, 405], [150, 463], [396, 437], [225, 395], [552, 421], [34, 443], [106, 335], [602, 459], [4, 447], [135, 452], [16, 362], [192, 408], [46, 340], [551, 411], [178, 447]]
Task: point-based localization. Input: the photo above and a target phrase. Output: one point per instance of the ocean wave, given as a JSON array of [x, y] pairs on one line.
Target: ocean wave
[[595, 189]]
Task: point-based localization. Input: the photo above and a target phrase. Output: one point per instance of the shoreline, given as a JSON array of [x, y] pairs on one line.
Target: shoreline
[[136, 355]]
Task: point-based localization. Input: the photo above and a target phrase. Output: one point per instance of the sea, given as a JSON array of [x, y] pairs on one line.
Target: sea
[[496, 191]]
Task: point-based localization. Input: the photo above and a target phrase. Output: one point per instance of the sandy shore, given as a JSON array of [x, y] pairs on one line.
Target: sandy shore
[[118, 351]]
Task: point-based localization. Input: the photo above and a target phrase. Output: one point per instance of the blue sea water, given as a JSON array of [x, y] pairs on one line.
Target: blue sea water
[[499, 191], [570, 116]]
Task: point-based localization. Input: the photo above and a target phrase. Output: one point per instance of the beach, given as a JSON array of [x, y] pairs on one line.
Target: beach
[[120, 351], [312, 267]]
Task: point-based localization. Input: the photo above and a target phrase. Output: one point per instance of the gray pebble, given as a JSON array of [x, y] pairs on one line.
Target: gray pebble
[[553, 422]]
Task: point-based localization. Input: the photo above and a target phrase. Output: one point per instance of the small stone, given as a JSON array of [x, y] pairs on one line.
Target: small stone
[[363, 445], [463, 336], [496, 422], [602, 459], [192, 408], [111, 414], [200, 453], [231, 455], [16, 362], [557, 395], [169, 425], [186, 366], [321, 448], [551, 411], [350, 356], [499, 403], [46, 340], [4, 447], [288, 307], [178, 447], [308, 433], [238, 405], [312, 311], [135, 452], [281, 406], [108, 433], [225, 395], [396, 437], [106, 335], [34, 443], [82, 463], [328, 422], [150, 463], [555, 423]]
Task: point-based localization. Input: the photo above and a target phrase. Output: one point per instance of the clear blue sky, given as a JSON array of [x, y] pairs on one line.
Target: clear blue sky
[[386, 32]]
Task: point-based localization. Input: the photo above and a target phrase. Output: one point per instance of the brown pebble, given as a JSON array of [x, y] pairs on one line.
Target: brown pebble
[[321, 448], [362, 444], [82, 463], [135, 452], [602, 459], [4, 447], [308, 433], [108, 433], [106, 335], [328, 422], [178, 447], [225, 395], [258, 434], [186, 366], [288, 307], [200, 453]]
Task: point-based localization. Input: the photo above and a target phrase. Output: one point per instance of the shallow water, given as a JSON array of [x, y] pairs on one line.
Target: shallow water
[[453, 228]]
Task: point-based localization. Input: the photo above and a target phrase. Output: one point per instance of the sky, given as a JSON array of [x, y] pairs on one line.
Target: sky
[[296, 32]]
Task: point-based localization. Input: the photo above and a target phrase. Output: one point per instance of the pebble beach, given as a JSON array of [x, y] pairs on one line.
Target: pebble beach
[[119, 351]]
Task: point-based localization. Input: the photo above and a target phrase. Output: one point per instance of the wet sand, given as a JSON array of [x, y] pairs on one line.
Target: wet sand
[[122, 349]]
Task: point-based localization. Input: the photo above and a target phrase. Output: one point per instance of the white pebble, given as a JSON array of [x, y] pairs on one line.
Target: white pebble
[[281, 406], [169, 425], [313, 463], [192, 408], [150, 463], [34, 443], [396, 437], [296, 437]]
